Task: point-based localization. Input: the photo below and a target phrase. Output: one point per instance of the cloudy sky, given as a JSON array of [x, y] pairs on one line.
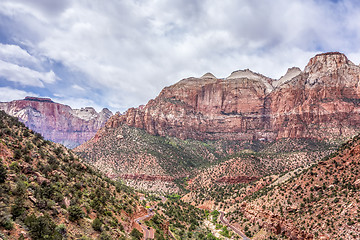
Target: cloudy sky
[[121, 53]]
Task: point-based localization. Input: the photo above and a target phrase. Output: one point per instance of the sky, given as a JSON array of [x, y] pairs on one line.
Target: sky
[[120, 53]]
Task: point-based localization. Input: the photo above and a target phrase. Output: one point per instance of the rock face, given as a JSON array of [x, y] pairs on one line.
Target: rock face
[[321, 102], [57, 122]]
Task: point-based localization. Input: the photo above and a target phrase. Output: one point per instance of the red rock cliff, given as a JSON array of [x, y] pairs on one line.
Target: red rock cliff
[[57, 122], [320, 102]]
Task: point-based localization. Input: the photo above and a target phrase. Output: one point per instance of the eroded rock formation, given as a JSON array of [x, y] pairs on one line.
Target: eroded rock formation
[[321, 102], [57, 122]]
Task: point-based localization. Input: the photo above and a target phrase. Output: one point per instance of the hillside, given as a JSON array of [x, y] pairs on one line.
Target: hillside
[[158, 163], [47, 192], [320, 202], [57, 122]]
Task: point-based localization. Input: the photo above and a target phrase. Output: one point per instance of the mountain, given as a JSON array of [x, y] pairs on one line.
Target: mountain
[[244, 126], [57, 122], [321, 102]]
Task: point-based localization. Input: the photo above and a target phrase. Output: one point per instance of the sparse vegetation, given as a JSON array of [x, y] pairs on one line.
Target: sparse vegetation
[[43, 184]]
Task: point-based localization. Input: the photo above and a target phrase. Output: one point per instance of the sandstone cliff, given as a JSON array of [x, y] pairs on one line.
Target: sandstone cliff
[[57, 122], [320, 102]]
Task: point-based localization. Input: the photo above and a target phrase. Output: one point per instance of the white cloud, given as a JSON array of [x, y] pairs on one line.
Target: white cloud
[[78, 88], [25, 76], [17, 55], [77, 103], [129, 50], [8, 94]]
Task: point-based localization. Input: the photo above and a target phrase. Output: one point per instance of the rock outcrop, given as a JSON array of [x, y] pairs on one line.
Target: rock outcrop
[[57, 122], [321, 102]]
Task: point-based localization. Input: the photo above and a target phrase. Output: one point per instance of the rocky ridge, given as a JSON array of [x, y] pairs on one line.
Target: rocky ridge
[[166, 164], [199, 127], [57, 122], [322, 101]]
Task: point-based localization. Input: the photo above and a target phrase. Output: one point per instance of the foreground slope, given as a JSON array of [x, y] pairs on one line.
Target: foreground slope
[[321, 202], [46, 192], [57, 122]]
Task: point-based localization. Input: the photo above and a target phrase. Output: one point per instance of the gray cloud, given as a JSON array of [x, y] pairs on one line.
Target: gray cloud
[[127, 51]]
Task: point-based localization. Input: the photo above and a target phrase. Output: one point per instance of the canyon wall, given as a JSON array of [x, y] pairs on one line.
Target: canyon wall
[[320, 102]]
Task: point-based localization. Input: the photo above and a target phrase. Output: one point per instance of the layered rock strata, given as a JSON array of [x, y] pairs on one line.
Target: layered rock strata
[[320, 102], [57, 122]]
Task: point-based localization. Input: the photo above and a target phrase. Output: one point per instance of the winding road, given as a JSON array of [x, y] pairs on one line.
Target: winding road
[[148, 231], [236, 230]]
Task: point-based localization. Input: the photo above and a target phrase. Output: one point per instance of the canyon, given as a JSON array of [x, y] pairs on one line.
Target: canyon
[[263, 152]]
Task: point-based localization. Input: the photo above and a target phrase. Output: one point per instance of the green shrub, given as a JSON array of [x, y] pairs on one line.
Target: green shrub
[[104, 236], [97, 224], [42, 228], [17, 209], [6, 223], [136, 234], [20, 189], [75, 213], [3, 172], [27, 159], [14, 166], [17, 154], [61, 228]]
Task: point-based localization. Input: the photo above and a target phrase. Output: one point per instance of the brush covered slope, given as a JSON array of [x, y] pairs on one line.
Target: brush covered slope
[[166, 164], [46, 192], [319, 202], [57, 122]]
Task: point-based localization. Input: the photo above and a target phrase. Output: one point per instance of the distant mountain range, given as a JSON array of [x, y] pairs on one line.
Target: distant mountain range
[[57, 122]]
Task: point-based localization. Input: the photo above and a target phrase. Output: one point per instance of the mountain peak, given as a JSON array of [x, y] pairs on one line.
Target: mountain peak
[[208, 75], [38, 99], [290, 74], [327, 62], [246, 73], [57, 122]]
